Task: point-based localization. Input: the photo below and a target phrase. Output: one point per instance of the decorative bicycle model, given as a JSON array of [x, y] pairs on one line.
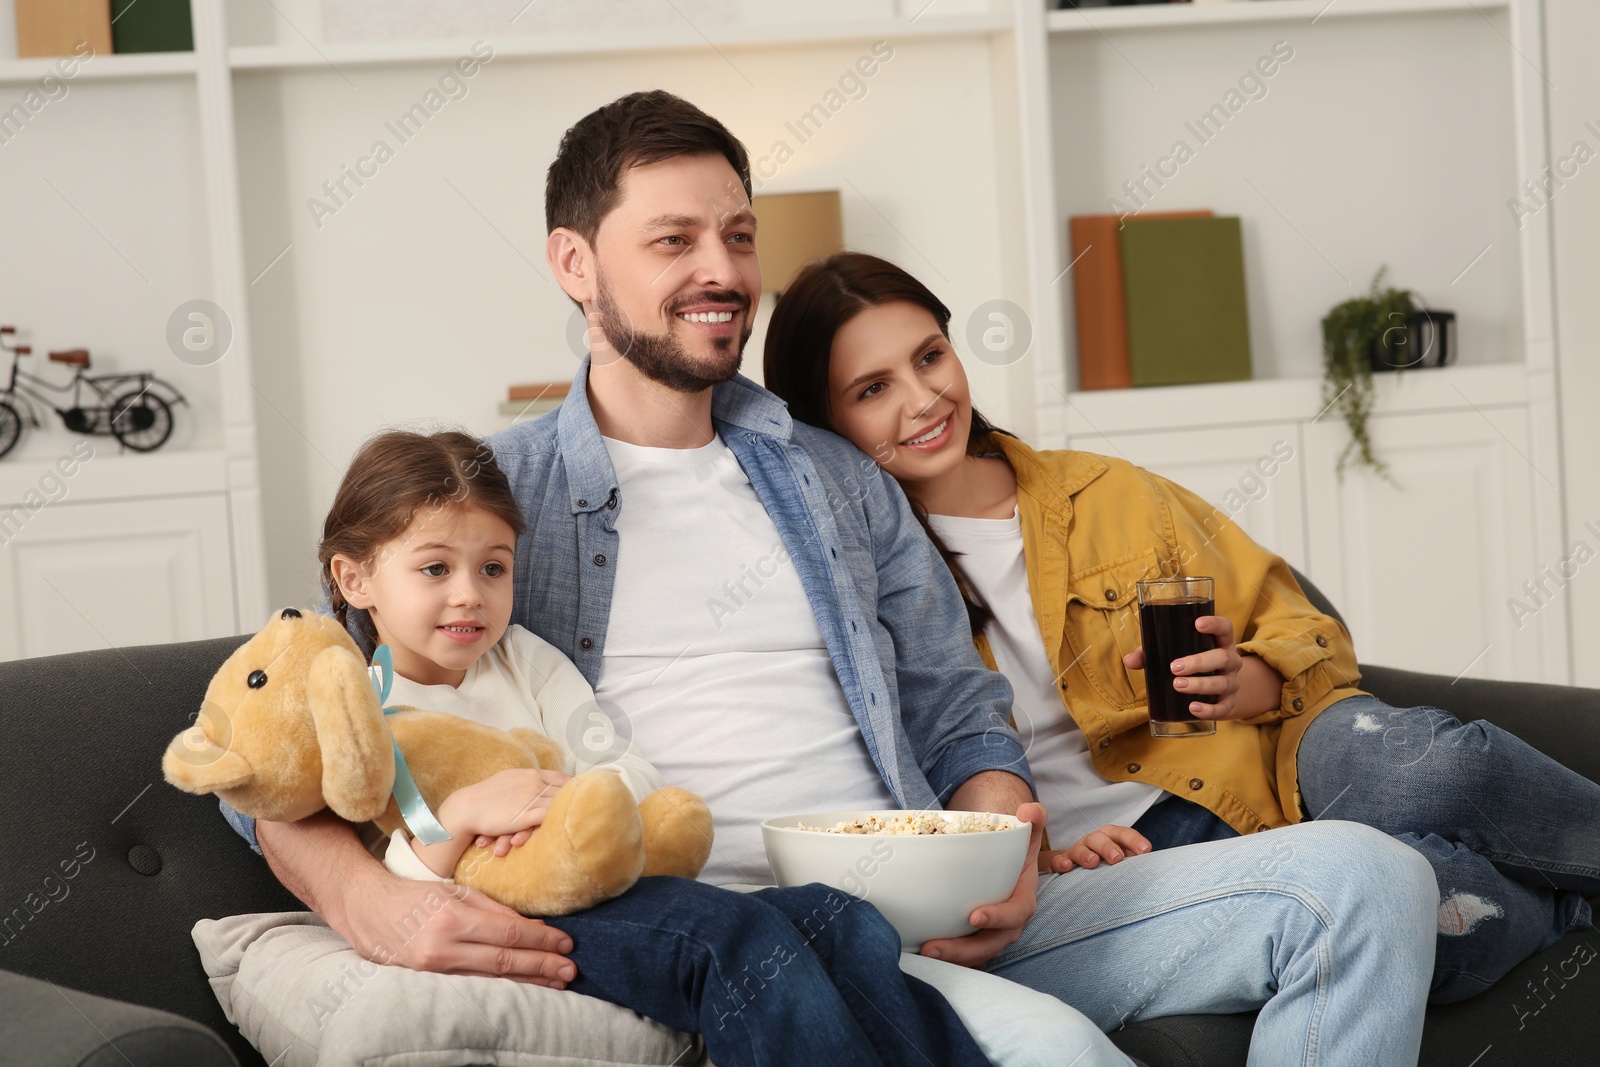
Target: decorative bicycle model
[[135, 408]]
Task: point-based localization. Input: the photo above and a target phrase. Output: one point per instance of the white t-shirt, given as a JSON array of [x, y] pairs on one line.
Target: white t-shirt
[[524, 681], [714, 655], [1078, 798]]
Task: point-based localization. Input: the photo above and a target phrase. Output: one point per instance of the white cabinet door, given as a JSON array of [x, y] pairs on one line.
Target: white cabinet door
[[109, 574], [1253, 475], [1424, 573]]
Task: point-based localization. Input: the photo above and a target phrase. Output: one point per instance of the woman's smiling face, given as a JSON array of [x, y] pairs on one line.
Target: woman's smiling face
[[898, 392]]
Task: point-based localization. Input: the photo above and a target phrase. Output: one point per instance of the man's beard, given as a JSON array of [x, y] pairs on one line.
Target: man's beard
[[662, 357]]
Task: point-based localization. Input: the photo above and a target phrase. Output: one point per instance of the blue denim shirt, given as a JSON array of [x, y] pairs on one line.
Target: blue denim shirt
[[931, 714]]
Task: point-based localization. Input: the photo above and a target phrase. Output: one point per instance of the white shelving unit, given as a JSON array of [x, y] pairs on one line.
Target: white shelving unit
[[130, 179], [1096, 20], [1393, 137], [611, 43], [149, 65]]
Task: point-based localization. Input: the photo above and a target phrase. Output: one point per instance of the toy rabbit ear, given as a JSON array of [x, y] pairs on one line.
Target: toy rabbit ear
[[357, 752]]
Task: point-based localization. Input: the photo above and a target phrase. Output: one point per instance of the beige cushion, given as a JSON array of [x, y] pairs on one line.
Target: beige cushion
[[302, 996]]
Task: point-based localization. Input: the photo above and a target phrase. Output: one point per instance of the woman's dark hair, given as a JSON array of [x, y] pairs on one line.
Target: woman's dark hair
[[394, 477], [823, 297], [583, 183]]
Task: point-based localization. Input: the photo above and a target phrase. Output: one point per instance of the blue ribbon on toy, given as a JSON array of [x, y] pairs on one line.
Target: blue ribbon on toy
[[413, 809]]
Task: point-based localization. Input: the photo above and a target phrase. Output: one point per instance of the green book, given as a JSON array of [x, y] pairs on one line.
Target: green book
[[1183, 283], [151, 26]]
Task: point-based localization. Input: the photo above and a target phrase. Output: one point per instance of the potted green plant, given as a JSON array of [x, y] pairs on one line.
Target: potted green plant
[[1354, 334]]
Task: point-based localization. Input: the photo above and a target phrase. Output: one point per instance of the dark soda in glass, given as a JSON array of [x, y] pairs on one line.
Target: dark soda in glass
[[1168, 611]]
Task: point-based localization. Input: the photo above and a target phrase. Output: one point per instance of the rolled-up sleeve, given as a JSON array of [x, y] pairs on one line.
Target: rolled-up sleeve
[[242, 824]]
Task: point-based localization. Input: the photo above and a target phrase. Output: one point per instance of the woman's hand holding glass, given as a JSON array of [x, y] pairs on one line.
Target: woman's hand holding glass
[[1243, 685]]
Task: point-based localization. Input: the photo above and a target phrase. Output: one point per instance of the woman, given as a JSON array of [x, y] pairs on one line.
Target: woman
[[1048, 547]]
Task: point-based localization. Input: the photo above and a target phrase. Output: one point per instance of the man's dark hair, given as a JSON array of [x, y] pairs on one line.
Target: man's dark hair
[[636, 130]]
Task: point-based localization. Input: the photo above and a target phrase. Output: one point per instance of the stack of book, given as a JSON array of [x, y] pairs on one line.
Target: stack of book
[[1160, 299], [65, 27]]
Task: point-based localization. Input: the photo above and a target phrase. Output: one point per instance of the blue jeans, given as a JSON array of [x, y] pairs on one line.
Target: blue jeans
[[1327, 928], [1174, 821], [1513, 837], [802, 976]]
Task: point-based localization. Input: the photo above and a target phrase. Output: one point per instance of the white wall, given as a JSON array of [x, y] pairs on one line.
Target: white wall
[[427, 293], [1572, 27]]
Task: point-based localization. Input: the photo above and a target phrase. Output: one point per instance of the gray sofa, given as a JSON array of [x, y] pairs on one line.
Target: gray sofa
[[104, 868]]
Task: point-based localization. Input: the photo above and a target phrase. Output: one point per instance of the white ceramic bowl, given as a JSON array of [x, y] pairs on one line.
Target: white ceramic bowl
[[926, 885]]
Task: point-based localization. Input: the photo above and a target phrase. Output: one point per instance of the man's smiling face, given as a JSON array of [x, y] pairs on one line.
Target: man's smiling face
[[677, 273]]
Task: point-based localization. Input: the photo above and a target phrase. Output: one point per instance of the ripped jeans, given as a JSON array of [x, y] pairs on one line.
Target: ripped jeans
[[1513, 837]]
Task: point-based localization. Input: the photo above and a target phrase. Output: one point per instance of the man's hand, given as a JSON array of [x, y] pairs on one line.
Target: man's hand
[[429, 926], [426, 926], [999, 924], [1243, 685], [1109, 843]]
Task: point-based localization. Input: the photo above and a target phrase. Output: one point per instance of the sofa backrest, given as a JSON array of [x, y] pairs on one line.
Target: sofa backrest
[[104, 867]]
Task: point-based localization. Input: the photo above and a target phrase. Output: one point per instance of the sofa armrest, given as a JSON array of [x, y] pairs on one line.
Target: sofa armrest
[[1561, 721], [47, 1025]]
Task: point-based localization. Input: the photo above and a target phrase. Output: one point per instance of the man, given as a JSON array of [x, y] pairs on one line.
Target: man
[[772, 627]]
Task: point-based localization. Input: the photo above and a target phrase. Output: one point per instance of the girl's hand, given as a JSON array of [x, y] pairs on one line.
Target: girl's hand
[[1109, 843], [504, 843], [509, 803], [1222, 664]]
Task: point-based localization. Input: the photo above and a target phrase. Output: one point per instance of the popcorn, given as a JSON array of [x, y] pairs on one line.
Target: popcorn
[[918, 823]]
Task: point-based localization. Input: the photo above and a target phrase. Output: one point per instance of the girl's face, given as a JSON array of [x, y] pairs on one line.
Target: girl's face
[[440, 593], [898, 392]]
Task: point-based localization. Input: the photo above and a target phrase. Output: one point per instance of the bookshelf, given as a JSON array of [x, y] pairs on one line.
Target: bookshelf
[[1396, 140], [102, 68], [685, 39], [127, 174]]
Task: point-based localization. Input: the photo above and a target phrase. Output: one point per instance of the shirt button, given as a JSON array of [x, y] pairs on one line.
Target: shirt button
[[1262, 827], [600, 559], [1195, 783], [1299, 705], [1111, 594], [586, 643], [1322, 641], [1105, 742], [583, 503], [1133, 768]]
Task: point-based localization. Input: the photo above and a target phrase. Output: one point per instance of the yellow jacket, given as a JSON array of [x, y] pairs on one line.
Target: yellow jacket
[[1092, 527]]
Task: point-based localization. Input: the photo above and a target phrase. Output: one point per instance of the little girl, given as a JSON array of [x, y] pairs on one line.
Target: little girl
[[417, 553]]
